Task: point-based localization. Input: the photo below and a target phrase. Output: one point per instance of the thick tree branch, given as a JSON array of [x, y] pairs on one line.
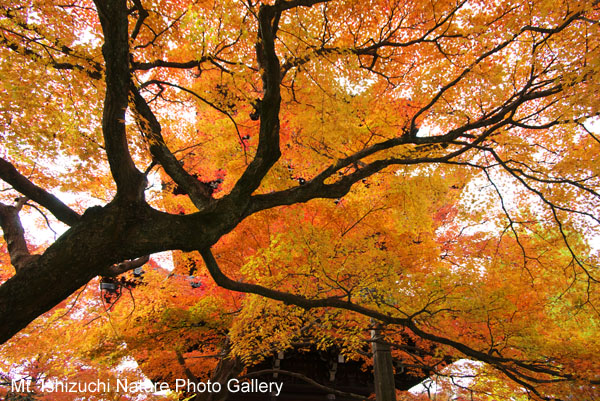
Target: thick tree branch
[[19, 182], [142, 15], [317, 188], [198, 192], [487, 125], [14, 235], [508, 364], [334, 302], [268, 151], [104, 237], [123, 267], [113, 18], [144, 66]]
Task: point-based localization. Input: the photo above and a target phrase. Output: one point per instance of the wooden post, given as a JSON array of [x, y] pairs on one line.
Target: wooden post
[[383, 366]]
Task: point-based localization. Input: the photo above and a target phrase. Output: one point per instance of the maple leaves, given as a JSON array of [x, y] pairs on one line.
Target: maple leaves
[[321, 154]]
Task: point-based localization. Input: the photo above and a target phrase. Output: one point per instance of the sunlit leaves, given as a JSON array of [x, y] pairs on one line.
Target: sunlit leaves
[[476, 116]]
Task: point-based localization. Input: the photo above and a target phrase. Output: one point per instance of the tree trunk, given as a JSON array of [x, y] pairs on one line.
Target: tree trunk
[[385, 389]]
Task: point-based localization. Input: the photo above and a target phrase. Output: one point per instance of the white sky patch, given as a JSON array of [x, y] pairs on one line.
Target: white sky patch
[[130, 364], [355, 88], [427, 130], [457, 380], [154, 187], [88, 37], [164, 260], [33, 17], [460, 373]]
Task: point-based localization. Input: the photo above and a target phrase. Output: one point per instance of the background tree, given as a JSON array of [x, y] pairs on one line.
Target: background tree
[[248, 109]]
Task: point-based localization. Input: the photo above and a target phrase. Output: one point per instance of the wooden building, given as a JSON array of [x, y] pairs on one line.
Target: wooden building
[[326, 368]]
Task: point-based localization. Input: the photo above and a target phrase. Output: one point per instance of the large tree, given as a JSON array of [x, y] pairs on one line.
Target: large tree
[[237, 109]]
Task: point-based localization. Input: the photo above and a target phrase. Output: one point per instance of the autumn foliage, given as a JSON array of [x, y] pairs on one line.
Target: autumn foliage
[[313, 168]]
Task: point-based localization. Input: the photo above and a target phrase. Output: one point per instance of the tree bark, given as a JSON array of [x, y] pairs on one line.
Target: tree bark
[[383, 367]]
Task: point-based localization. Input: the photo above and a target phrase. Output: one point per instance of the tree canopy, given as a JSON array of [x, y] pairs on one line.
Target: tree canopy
[[430, 166]]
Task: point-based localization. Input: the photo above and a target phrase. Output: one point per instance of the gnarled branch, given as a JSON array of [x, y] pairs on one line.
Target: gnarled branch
[[14, 235], [113, 18], [199, 194], [19, 182]]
